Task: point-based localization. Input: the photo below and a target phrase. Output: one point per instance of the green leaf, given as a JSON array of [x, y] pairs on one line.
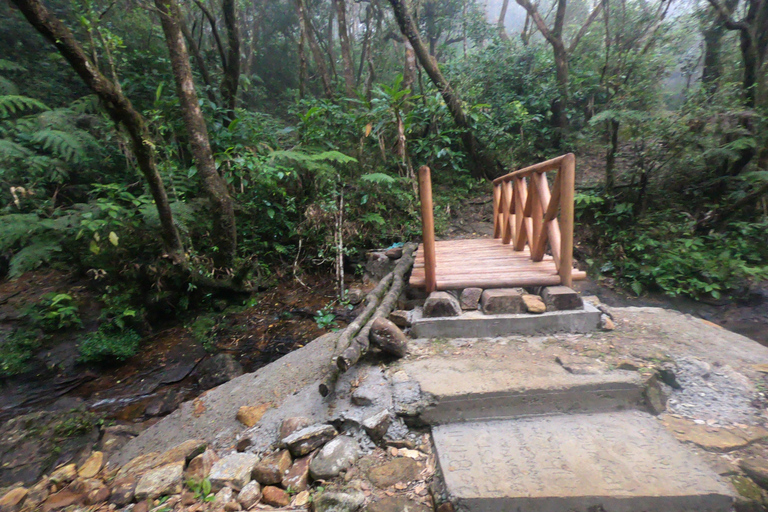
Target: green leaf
[[113, 239]]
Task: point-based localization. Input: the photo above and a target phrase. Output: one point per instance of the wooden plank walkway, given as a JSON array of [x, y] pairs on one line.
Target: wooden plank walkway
[[486, 263]]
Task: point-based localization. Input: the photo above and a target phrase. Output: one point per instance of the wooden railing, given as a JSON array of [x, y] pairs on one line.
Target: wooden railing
[[525, 212]]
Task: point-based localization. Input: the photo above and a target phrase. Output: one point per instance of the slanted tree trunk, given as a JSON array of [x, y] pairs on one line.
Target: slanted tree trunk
[[119, 108], [231, 78], [483, 162], [222, 209], [199, 61], [500, 24], [346, 51], [314, 47]]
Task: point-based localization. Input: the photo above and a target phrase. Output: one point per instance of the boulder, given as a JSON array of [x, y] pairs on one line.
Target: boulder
[[561, 298], [355, 296], [501, 301], [217, 370], [161, 481], [335, 457], [394, 253], [388, 337], [185, 451], [232, 471], [271, 469], [308, 439], [440, 304], [470, 298]]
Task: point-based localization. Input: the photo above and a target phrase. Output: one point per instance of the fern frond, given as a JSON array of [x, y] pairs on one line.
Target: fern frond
[[63, 144], [32, 256], [85, 105], [6, 65], [7, 87], [10, 150], [15, 228], [11, 104]]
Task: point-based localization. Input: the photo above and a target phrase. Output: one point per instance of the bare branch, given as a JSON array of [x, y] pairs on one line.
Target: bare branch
[[584, 28]]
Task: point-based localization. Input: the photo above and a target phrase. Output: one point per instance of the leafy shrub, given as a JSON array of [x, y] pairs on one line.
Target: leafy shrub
[[16, 351], [55, 311], [108, 345]]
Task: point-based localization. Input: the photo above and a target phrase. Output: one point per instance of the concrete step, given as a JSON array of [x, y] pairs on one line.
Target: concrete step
[[476, 324], [606, 462], [474, 389]]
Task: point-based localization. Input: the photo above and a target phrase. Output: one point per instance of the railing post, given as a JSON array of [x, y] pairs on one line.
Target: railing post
[[427, 227], [567, 185]]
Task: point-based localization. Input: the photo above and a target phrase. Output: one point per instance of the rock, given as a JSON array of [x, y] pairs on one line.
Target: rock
[[713, 438], [275, 496], [243, 444], [160, 481], [606, 323], [301, 499], [757, 470], [116, 436], [355, 296], [297, 477], [470, 298], [579, 365], [13, 499], [534, 304], [656, 395], [249, 415], [397, 504], [335, 457], [394, 253], [388, 337], [141, 506], [294, 424], [233, 471], [61, 499], [200, 467], [561, 298], [224, 496], [339, 501], [232, 506], [400, 318], [249, 495], [217, 370], [440, 304], [64, 474], [123, 490], [376, 426], [188, 498], [501, 301], [91, 466], [446, 507], [307, 439], [628, 365], [37, 494], [271, 469], [363, 396], [400, 469], [666, 373], [378, 265], [140, 465], [185, 451], [97, 495]]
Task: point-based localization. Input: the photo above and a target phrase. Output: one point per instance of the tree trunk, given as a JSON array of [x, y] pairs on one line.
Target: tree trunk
[[346, 51], [713, 37], [366, 43], [302, 56], [610, 157], [559, 106], [500, 24], [224, 233], [199, 61], [409, 69], [119, 108], [314, 47], [484, 164], [231, 78]]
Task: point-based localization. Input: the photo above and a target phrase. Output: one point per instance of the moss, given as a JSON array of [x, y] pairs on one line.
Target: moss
[[747, 488]]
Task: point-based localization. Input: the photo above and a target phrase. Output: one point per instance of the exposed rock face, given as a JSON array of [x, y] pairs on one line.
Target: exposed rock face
[[161, 481], [388, 337], [64, 474], [470, 298], [307, 439], [339, 502], [440, 304], [335, 457], [501, 301], [561, 298], [400, 469], [233, 471], [217, 370], [271, 469]]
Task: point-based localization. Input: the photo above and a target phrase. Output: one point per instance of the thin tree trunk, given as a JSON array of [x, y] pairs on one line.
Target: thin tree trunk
[[409, 70], [366, 43], [119, 108], [199, 61], [500, 24], [231, 78], [222, 209], [302, 54], [484, 164], [314, 47], [610, 157], [346, 51]]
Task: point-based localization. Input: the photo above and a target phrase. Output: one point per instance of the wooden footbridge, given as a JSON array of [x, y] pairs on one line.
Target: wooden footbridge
[[532, 229]]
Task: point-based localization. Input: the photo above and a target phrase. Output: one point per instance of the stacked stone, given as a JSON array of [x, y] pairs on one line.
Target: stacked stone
[[497, 301]]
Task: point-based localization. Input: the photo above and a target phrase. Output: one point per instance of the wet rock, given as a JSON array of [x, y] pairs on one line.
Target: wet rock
[[440, 304], [757, 470], [376, 426], [561, 298], [275, 496], [64, 474], [217, 370], [388, 337], [123, 490], [394, 253], [13, 499], [249, 415], [200, 467], [580, 365], [335, 457], [534, 304], [297, 477], [61, 500], [249, 495], [91, 467], [160, 481], [291, 425], [307, 439], [400, 318], [232, 471], [271, 469], [501, 301], [166, 403], [397, 504], [339, 501], [606, 323], [400, 469], [470, 298], [355, 296]]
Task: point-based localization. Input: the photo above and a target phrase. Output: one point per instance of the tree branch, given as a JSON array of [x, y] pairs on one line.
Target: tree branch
[[584, 28], [725, 16], [212, 22], [533, 12]]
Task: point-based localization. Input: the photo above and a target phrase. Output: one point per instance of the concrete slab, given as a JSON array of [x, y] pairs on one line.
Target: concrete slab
[[472, 389], [475, 324], [622, 462]]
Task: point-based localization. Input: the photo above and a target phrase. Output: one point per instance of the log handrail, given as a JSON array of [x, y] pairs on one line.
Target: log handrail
[[427, 227], [525, 211]]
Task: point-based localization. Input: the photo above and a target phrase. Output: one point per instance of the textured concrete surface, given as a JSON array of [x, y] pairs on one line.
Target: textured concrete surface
[[460, 389], [624, 462], [478, 325]]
